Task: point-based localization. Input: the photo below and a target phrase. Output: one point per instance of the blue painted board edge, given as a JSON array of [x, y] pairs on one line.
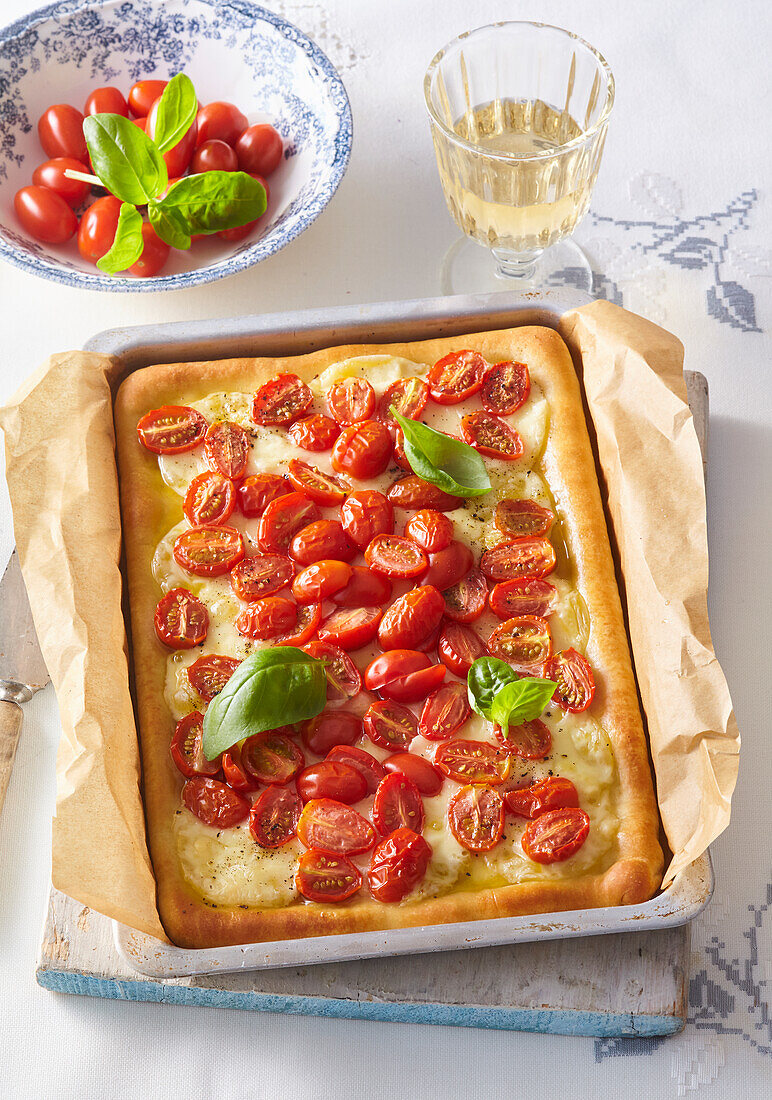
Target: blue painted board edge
[[546, 1021]]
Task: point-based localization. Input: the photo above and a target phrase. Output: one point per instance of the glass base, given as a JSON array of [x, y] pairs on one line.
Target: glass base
[[470, 268]]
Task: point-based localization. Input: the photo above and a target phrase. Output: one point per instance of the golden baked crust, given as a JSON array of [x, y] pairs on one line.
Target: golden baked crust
[[150, 508]]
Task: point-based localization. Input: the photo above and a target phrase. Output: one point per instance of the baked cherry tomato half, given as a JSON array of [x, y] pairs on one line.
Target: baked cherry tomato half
[[274, 816], [208, 551], [456, 377], [324, 489], [371, 770], [321, 581], [517, 519], [399, 456], [530, 740], [473, 762], [186, 749], [98, 224], [227, 449], [314, 433], [524, 641], [171, 429], [551, 793], [429, 643], [573, 675], [143, 95], [351, 400], [214, 802], [272, 757], [476, 818], [395, 556], [351, 627], [259, 149], [411, 618], [365, 589], [209, 674], [308, 618], [397, 804], [390, 725], [221, 121], [505, 388], [449, 566], [414, 686], [331, 779], [281, 401], [261, 575], [531, 557], [362, 450], [268, 618], [393, 665], [51, 175], [412, 492], [155, 253], [408, 396], [234, 771], [365, 514], [323, 539], [330, 729], [417, 769], [281, 520], [334, 827], [45, 215], [492, 436], [106, 101], [398, 865], [525, 596], [555, 835], [466, 600], [181, 621], [444, 712], [326, 878], [214, 156], [459, 647], [429, 529], [257, 491], [343, 679], [178, 158], [60, 129]]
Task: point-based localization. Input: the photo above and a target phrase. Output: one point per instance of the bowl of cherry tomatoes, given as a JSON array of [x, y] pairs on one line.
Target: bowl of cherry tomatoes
[[271, 104]]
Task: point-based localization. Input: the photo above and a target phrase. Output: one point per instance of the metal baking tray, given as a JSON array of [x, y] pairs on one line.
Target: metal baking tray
[[382, 322]]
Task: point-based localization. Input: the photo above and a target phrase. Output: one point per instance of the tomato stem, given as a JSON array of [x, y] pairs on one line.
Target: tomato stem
[[73, 174]]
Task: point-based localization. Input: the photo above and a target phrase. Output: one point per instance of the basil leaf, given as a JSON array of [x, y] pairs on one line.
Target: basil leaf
[[169, 226], [125, 159], [451, 465], [521, 701], [175, 113], [127, 244], [272, 687], [485, 679], [211, 201]]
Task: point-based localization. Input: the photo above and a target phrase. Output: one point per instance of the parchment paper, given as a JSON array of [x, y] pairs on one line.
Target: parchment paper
[[64, 492]]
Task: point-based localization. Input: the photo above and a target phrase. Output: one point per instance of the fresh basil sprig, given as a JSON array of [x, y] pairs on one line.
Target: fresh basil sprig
[[128, 244], [451, 465], [208, 203], [273, 687], [176, 112], [497, 693], [124, 158]]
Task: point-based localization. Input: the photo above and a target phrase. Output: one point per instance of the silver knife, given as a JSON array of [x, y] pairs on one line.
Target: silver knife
[[22, 671]]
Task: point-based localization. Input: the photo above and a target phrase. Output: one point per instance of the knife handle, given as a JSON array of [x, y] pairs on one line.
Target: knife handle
[[10, 729]]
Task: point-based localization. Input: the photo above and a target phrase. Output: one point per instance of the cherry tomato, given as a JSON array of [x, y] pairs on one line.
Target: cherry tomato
[[155, 253], [465, 601], [408, 396], [281, 401], [456, 377], [417, 769], [227, 449], [331, 779], [97, 228], [429, 643], [399, 455], [171, 429], [365, 589], [308, 619], [214, 803], [411, 618], [524, 641], [492, 436], [106, 101], [415, 685], [181, 621], [526, 596], [314, 433], [272, 757], [392, 665], [274, 816], [234, 772], [413, 492], [256, 492], [371, 770], [365, 514], [209, 674], [221, 121], [351, 627], [51, 175], [186, 749], [143, 95], [324, 489], [395, 556], [60, 129], [334, 827], [326, 878], [444, 712], [473, 762], [281, 520], [268, 618], [343, 679], [449, 566], [321, 581], [362, 450], [259, 149], [459, 647], [397, 805], [351, 401], [398, 865], [530, 740], [551, 793], [209, 550], [429, 529], [330, 729], [476, 818], [390, 725], [177, 159], [555, 835], [505, 388], [141, 123], [261, 575], [325, 538], [210, 499], [533, 557], [517, 519], [573, 675], [214, 156], [45, 215]]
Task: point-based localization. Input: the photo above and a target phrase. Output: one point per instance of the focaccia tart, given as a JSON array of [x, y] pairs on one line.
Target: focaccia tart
[[554, 813]]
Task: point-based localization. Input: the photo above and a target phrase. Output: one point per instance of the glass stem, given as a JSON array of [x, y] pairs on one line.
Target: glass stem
[[515, 265]]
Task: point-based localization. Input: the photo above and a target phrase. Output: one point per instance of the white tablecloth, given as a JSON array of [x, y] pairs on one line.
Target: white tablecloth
[[679, 231]]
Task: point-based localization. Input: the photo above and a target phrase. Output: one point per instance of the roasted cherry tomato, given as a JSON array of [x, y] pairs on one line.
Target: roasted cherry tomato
[[186, 749], [449, 566], [213, 156], [106, 101], [551, 793], [268, 618], [415, 685], [208, 551], [181, 621], [397, 804], [476, 818], [351, 627], [234, 771], [393, 665], [343, 679], [532, 557], [60, 129], [390, 725], [261, 575], [524, 641], [321, 581], [517, 519], [98, 224], [274, 816], [365, 514], [351, 400], [256, 492], [272, 757], [209, 674], [330, 729], [171, 429], [466, 600], [411, 618], [444, 712], [429, 643], [473, 762], [314, 433], [227, 449], [365, 589], [178, 158], [308, 618], [492, 436], [399, 455], [282, 519], [221, 121], [573, 675], [362, 450], [371, 770], [459, 647], [555, 835], [418, 769], [214, 802], [326, 878], [456, 377], [324, 489], [505, 388], [334, 827], [526, 596], [395, 556], [408, 396], [398, 865], [530, 740], [51, 175], [143, 95], [259, 149], [281, 401], [155, 253], [45, 215], [331, 779], [429, 529], [413, 492], [325, 538]]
